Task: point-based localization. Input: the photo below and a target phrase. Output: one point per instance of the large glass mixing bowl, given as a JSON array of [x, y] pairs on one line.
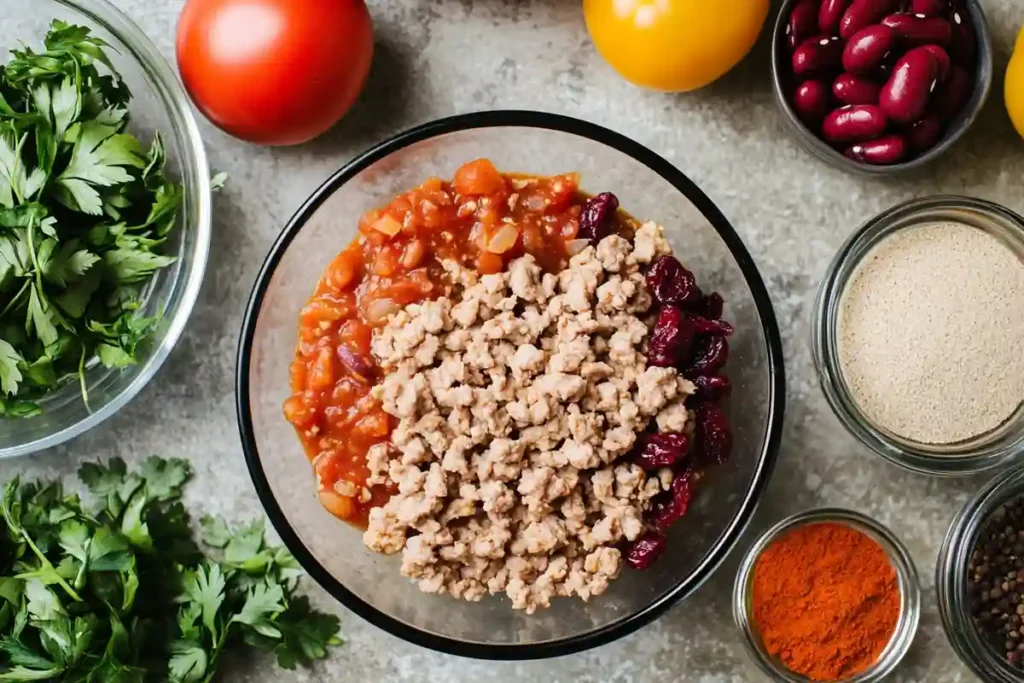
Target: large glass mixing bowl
[[159, 103], [649, 188]]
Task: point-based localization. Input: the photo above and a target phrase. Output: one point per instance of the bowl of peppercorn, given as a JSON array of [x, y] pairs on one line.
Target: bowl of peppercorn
[[980, 580]]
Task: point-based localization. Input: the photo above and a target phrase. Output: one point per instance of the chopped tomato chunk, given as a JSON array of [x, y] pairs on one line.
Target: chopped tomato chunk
[[478, 178]]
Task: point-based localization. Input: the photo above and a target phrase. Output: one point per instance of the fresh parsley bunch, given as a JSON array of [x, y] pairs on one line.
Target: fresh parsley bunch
[[122, 593], [84, 208]]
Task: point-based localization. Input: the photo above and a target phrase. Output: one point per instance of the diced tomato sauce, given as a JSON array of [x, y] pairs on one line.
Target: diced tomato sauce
[[482, 219]]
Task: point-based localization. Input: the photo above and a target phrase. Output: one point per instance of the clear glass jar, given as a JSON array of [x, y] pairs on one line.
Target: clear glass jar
[[906, 577], [979, 453], [951, 578]]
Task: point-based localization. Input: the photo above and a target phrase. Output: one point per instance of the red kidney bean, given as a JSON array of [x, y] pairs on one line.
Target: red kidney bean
[[830, 14], [949, 98], [862, 13], [941, 58], [852, 89], [853, 122], [913, 30], [929, 8], [356, 364], [811, 101], [803, 22], [868, 48], [904, 96], [963, 47], [890, 149], [924, 134], [818, 56]]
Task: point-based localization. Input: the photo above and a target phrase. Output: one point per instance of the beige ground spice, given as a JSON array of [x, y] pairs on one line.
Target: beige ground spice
[[931, 333]]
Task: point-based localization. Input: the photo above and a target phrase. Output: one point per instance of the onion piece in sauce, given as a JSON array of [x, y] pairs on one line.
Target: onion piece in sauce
[[576, 246], [378, 310], [503, 240]]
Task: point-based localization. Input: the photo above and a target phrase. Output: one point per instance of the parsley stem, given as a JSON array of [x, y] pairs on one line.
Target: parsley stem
[[42, 558], [81, 379], [14, 299], [15, 167], [35, 258], [31, 675]]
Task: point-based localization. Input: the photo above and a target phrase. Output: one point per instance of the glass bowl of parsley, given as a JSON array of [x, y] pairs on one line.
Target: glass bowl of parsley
[[104, 217]]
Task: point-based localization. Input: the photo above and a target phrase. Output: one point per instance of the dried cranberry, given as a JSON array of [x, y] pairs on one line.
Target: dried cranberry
[[710, 354], [712, 387], [641, 553], [713, 306], [663, 450], [714, 436], [672, 507], [670, 283], [672, 338], [709, 326], [597, 214]]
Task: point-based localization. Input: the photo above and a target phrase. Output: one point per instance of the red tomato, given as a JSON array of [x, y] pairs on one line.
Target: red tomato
[[274, 72]]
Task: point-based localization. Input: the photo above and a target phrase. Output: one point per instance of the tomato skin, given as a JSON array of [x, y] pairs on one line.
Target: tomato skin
[[274, 72], [674, 45]]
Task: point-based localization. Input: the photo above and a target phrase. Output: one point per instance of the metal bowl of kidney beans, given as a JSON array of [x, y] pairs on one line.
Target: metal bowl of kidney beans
[[880, 86]]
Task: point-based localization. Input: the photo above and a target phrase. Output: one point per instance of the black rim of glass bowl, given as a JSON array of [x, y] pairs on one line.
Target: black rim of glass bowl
[[629, 623]]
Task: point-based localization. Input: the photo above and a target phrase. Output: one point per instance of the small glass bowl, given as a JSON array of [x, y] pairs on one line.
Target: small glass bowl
[[906, 575], [783, 85], [951, 578], [159, 104], [974, 455]]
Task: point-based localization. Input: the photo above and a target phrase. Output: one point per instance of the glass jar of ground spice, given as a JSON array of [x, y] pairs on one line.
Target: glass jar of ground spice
[[918, 335], [980, 580], [827, 596]]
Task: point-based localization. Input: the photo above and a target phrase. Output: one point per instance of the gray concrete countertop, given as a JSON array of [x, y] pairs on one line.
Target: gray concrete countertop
[[791, 210]]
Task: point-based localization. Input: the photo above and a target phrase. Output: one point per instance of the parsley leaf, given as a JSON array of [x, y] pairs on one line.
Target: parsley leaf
[[98, 159], [306, 634], [204, 586], [165, 478], [10, 374], [40, 317], [188, 662], [215, 531], [262, 604]]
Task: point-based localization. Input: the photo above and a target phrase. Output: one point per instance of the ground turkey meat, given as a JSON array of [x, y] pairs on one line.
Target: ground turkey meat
[[516, 399]]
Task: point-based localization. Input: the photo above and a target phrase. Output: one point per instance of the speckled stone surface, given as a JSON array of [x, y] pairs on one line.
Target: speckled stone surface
[[791, 210]]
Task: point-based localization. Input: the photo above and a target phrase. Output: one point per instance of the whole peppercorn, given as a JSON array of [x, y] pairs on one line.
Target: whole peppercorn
[[996, 582]]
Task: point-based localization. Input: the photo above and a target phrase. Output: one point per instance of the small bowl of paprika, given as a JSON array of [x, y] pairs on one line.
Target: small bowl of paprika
[[827, 595]]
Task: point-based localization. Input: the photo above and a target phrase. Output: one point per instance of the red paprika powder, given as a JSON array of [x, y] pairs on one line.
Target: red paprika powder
[[826, 600]]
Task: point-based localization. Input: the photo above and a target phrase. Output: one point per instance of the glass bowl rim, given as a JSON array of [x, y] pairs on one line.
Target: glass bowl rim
[[977, 455], [151, 61], [773, 349], [951, 567], [900, 558]]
